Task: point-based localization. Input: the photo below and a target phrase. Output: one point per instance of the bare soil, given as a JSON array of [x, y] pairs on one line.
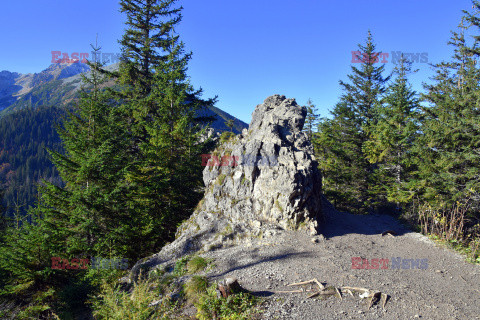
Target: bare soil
[[448, 288]]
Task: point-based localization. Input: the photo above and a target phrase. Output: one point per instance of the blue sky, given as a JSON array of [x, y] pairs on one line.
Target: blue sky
[[244, 51]]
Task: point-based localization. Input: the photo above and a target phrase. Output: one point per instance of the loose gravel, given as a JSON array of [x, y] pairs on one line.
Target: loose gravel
[[448, 288]]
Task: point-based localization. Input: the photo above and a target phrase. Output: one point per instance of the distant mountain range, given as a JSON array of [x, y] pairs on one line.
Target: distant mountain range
[[30, 105], [59, 85]]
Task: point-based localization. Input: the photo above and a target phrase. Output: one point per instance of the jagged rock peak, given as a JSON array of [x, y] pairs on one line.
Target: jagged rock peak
[[256, 184], [268, 173], [279, 111]]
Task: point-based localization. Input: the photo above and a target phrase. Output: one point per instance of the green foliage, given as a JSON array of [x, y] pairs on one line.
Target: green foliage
[[448, 159], [382, 147], [25, 137], [180, 268], [158, 108], [226, 136], [227, 230], [311, 120], [450, 162], [239, 306], [279, 207], [391, 139], [25, 263], [229, 123], [195, 287], [130, 168], [196, 264], [349, 178], [115, 304], [221, 179]]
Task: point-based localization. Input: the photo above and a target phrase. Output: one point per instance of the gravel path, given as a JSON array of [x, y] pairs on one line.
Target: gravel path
[[448, 288]]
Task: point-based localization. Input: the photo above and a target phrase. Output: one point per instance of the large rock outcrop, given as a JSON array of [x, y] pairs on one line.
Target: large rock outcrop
[[256, 182]]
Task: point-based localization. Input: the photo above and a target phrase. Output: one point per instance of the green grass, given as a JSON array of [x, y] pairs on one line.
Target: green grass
[[471, 252], [228, 230], [197, 264], [114, 304], [245, 180], [194, 288], [200, 204], [180, 268]]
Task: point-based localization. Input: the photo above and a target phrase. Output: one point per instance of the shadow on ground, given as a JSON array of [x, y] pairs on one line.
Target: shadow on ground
[[340, 223], [233, 266]]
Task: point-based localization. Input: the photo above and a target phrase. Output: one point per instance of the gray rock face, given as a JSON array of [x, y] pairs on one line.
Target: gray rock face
[[267, 174], [256, 182]]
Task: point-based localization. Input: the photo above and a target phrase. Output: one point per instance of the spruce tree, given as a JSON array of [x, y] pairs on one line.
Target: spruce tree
[[75, 220], [311, 120], [92, 169], [449, 166], [131, 167], [229, 123], [392, 138], [160, 108], [349, 178]]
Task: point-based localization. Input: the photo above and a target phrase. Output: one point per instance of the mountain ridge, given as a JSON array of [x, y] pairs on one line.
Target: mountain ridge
[[59, 84]]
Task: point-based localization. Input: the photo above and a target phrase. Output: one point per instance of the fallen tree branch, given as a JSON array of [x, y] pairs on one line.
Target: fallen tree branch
[[308, 282], [355, 289], [372, 296], [292, 291]]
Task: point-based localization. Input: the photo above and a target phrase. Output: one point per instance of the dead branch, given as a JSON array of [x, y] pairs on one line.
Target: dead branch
[[375, 296], [355, 289], [307, 282], [292, 291]]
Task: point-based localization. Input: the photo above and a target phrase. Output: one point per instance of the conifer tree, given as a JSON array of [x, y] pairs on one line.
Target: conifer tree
[[391, 139], [92, 169], [229, 123], [131, 167], [160, 110], [349, 178], [311, 120], [449, 146], [78, 219]]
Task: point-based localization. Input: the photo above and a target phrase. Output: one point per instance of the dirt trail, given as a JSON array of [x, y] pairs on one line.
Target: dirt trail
[[449, 288]]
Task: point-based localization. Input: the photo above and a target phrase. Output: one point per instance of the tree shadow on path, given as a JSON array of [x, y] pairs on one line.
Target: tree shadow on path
[[340, 223]]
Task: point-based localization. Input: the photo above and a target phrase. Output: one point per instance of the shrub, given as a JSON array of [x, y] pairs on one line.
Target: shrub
[[226, 136], [114, 304], [180, 268], [240, 306]]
